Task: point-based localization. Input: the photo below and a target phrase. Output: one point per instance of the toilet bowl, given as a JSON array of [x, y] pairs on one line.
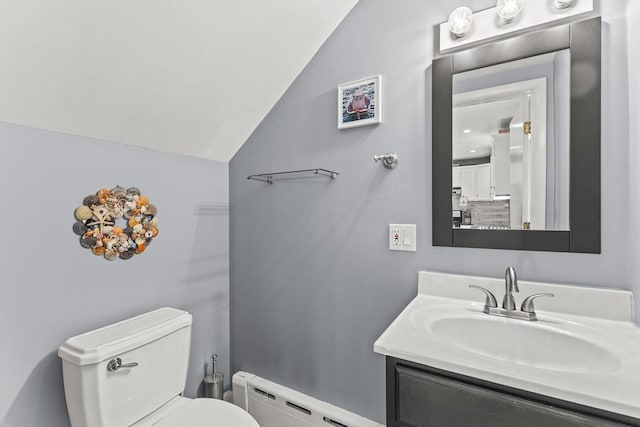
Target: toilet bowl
[[133, 374], [185, 412]]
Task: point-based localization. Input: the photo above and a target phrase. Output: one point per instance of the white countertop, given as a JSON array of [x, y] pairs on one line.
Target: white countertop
[[593, 316]]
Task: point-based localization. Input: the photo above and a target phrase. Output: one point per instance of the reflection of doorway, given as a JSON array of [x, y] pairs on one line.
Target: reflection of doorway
[[482, 117]]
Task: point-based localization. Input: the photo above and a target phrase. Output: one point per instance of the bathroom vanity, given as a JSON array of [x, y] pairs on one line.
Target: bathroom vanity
[[450, 363], [419, 395]]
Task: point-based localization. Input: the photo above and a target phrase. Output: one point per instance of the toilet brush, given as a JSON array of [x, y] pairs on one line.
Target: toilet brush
[[214, 381]]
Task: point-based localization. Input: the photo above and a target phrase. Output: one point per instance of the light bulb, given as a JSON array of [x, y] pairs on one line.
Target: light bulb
[[508, 9], [460, 21]]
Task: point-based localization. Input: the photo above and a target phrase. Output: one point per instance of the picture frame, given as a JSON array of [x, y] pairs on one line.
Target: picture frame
[[360, 102]]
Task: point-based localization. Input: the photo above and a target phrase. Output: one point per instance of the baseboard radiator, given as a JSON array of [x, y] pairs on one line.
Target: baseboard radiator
[[273, 405]]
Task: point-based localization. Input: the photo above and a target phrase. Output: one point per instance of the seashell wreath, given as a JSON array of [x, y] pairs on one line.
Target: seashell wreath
[[96, 223]]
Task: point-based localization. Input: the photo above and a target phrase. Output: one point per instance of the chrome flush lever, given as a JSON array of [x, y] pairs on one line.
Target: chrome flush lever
[[115, 364]]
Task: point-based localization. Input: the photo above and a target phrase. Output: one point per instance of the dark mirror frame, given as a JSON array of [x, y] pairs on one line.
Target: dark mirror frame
[[583, 39]]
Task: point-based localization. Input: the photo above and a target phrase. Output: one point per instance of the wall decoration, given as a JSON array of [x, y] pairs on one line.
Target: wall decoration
[[359, 103], [98, 217]]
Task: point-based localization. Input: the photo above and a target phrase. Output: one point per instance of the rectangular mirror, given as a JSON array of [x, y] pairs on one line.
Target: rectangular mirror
[[510, 137], [516, 143]]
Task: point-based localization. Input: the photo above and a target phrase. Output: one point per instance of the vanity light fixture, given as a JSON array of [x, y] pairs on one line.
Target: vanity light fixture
[[563, 4], [460, 21], [507, 10], [466, 131], [472, 151], [508, 18]]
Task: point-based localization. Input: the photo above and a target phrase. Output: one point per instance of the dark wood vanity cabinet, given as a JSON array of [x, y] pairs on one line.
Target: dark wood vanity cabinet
[[420, 396]]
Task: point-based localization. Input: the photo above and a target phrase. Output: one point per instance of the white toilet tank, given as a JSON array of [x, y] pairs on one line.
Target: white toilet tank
[[158, 342]]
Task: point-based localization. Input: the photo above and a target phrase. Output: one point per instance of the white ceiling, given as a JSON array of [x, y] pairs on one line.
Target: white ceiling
[[480, 113], [192, 77], [475, 124]]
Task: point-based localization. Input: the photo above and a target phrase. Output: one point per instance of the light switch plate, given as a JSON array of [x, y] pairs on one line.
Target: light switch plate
[[402, 237]]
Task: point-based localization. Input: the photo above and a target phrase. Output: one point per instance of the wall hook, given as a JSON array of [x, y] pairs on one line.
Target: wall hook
[[389, 160]]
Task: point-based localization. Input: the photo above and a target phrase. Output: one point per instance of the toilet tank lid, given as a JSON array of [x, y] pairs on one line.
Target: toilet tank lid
[[104, 343]]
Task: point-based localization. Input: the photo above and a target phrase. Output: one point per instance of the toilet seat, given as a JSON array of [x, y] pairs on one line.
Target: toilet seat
[[201, 413]]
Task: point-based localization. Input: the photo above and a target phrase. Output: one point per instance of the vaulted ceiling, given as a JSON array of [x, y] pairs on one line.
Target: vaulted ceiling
[[192, 77]]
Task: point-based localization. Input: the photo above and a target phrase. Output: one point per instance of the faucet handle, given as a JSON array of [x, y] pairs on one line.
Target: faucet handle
[[491, 301], [527, 304]]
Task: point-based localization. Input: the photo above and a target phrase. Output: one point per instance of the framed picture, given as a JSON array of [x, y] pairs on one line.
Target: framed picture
[[359, 103]]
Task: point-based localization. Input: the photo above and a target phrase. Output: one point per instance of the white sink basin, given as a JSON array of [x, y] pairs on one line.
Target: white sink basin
[[522, 342], [584, 348]]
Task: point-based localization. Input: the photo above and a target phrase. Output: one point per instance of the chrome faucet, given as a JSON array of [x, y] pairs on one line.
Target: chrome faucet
[[510, 286], [527, 310]]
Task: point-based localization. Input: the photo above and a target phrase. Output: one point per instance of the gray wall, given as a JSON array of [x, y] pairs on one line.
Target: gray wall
[[312, 281], [51, 288]]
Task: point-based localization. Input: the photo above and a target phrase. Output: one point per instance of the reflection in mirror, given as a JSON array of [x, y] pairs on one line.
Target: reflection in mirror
[[511, 145]]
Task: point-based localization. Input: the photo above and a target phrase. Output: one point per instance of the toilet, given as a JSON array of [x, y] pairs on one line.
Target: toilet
[[133, 374]]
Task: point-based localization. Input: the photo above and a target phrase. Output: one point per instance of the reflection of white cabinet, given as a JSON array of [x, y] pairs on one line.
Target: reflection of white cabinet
[[483, 182], [501, 164], [456, 176], [468, 182], [475, 181]]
